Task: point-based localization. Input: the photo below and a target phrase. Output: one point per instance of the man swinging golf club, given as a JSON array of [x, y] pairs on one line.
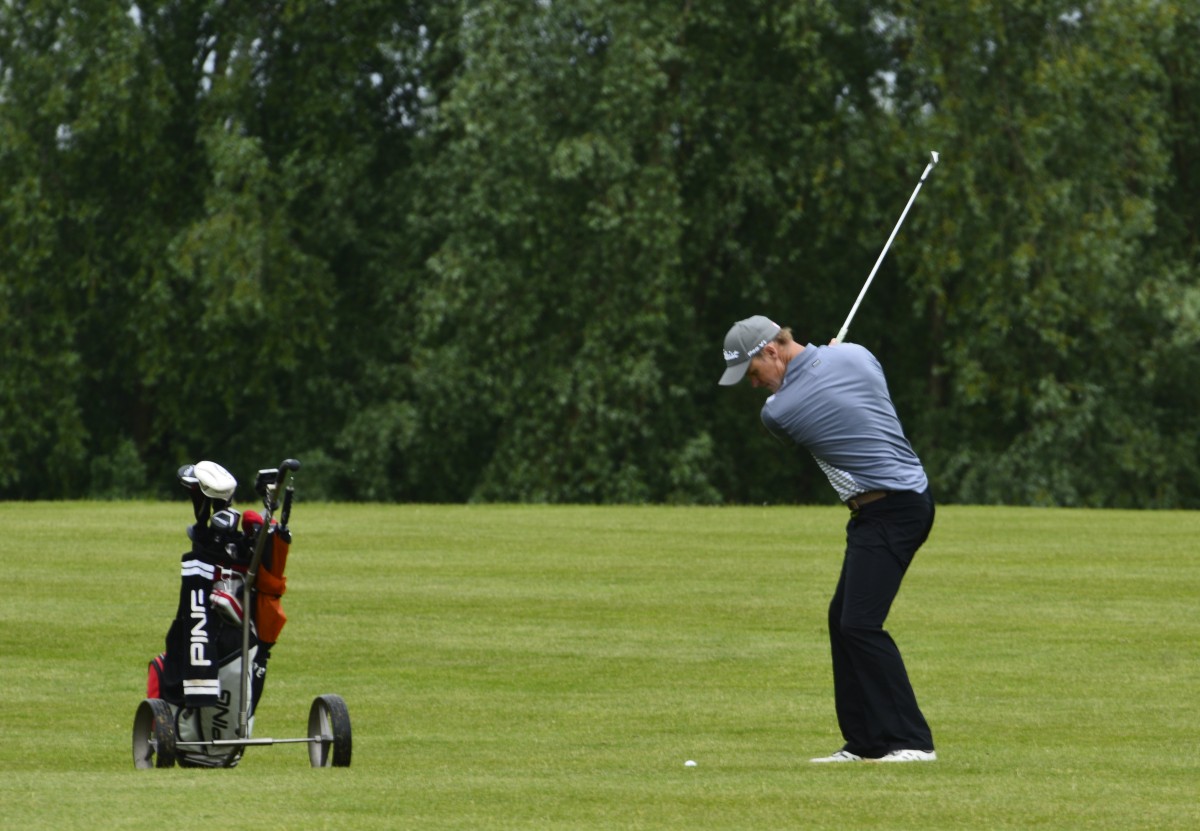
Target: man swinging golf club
[[834, 401]]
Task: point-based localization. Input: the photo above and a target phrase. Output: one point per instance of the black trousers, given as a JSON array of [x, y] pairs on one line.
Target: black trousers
[[876, 707]]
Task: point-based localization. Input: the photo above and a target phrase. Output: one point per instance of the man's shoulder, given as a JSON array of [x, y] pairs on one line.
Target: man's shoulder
[[850, 355], [811, 361], [849, 348]]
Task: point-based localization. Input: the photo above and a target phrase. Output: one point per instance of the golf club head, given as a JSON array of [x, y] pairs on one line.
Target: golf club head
[[225, 520], [187, 477], [267, 477], [252, 522]]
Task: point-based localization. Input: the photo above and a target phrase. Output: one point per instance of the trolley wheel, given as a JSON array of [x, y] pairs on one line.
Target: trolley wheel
[[329, 721], [154, 735]]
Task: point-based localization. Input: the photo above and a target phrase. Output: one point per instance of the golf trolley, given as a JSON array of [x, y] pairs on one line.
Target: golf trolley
[[201, 693]]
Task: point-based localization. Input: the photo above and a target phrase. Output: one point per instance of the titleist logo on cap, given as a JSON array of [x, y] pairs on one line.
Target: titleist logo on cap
[[733, 354]]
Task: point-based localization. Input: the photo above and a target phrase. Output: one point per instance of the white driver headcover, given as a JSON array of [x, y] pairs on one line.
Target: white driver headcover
[[215, 481]]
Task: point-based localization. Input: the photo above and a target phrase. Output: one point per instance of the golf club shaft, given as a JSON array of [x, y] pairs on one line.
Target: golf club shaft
[[841, 335], [260, 544]]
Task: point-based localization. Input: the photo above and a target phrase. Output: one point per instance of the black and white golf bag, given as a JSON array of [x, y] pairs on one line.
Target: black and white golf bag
[[200, 673]]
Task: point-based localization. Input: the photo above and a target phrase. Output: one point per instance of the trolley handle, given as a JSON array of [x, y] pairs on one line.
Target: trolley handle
[[269, 489], [286, 512]]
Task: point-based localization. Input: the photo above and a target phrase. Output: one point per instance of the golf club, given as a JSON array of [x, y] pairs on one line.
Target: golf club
[[841, 335]]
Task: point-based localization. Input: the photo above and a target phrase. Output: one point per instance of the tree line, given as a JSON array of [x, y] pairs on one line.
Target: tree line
[[488, 250]]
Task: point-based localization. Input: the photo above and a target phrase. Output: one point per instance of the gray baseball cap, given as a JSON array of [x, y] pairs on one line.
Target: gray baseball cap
[[745, 340]]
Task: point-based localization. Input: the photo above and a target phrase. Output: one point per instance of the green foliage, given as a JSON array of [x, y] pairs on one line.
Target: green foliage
[[1046, 373], [484, 251]]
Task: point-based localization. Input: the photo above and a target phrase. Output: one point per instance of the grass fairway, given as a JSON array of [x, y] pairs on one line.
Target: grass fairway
[[553, 667]]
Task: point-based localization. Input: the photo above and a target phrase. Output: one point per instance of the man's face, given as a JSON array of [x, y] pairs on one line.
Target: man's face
[[767, 368]]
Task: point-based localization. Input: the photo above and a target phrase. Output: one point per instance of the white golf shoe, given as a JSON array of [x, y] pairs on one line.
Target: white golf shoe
[[837, 756], [909, 756]]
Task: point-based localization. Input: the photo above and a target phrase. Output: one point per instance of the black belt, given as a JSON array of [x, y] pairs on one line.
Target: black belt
[[857, 501]]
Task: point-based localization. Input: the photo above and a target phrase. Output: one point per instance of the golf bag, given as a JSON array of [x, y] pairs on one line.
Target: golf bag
[[200, 672]]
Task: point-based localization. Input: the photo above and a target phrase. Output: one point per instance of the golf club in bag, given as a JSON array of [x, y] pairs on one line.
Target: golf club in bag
[[202, 691], [841, 335]]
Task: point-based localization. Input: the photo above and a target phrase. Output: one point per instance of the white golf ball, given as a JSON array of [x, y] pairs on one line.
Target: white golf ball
[[690, 763]]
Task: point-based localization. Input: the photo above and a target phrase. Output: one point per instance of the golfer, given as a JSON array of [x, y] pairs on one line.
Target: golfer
[[834, 402]]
